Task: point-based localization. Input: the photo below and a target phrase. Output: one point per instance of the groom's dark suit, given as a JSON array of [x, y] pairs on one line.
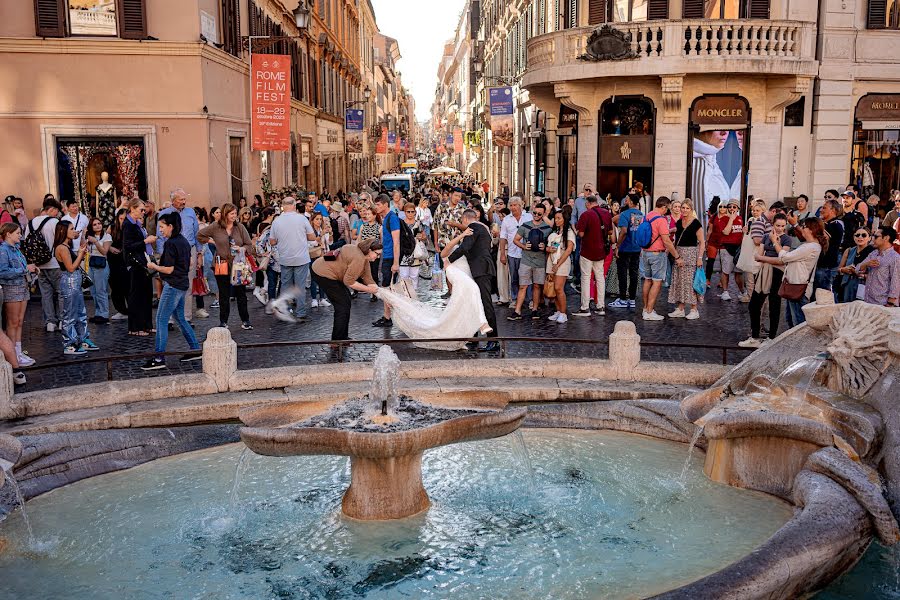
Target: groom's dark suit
[[477, 250]]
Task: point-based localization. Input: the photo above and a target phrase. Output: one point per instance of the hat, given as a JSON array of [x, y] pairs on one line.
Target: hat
[[849, 193], [9, 199], [337, 206]]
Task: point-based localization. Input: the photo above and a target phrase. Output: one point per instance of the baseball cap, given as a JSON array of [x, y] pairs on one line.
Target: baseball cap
[[848, 193]]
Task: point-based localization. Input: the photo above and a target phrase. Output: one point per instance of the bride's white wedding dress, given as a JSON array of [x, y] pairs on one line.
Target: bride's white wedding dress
[[462, 317]]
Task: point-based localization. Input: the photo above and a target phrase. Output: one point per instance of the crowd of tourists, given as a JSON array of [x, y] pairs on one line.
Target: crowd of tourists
[[293, 254]]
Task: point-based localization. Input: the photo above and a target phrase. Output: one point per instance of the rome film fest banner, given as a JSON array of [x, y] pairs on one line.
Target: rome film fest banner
[[501, 116], [382, 144], [392, 142], [720, 138], [270, 104], [458, 140], [354, 119]]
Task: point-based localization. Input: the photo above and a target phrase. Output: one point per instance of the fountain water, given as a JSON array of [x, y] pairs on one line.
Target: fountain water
[[796, 379], [20, 500], [520, 450], [385, 448], [239, 469], [687, 461]]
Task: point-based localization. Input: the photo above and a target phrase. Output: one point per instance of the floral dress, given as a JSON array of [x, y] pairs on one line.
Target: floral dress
[[106, 206]]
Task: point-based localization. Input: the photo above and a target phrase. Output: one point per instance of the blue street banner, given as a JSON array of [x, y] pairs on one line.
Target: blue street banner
[[392, 142], [354, 126], [501, 103]]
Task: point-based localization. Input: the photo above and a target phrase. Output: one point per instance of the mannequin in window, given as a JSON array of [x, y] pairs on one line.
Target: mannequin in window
[[105, 200]]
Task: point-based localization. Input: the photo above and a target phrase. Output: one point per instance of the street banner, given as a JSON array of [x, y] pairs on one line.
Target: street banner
[[382, 144], [392, 142], [270, 103], [397, 147], [501, 116], [448, 142], [458, 140], [354, 125]]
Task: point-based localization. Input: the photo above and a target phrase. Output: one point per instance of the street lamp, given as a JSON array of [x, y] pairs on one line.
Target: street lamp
[[301, 15], [367, 93]]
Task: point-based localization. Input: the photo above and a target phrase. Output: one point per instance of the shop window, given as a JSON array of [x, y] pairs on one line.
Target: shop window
[[794, 113], [883, 14], [81, 163]]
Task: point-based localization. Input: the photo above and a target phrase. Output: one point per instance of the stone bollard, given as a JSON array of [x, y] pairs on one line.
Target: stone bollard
[[625, 350], [220, 357], [8, 406]]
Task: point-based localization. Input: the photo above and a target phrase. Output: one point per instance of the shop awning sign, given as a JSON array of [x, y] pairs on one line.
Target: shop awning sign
[[270, 104]]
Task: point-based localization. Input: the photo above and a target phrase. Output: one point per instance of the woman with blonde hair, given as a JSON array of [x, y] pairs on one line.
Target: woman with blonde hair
[[691, 244]]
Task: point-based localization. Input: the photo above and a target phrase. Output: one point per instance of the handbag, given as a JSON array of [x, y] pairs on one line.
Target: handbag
[[549, 289], [316, 252], [420, 252], [794, 291], [199, 287], [437, 276], [700, 281], [97, 262], [86, 281], [746, 262], [220, 266]]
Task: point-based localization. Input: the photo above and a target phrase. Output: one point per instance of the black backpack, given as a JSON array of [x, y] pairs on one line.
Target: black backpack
[[35, 247], [407, 239], [535, 237]]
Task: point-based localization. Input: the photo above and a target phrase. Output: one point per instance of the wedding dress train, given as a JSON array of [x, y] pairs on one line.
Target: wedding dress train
[[462, 317]]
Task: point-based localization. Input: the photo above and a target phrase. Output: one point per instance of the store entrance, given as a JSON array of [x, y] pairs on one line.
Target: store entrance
[[626, 145], [618, 181]]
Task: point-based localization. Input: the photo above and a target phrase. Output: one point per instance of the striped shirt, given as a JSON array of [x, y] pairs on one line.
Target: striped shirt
[[760, 228], [883, 281]]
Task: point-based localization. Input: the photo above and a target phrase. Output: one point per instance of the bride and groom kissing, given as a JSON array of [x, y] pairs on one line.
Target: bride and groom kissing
[[469, 310]]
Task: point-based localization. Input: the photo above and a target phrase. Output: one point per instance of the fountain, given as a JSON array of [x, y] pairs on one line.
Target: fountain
[[384, 434]]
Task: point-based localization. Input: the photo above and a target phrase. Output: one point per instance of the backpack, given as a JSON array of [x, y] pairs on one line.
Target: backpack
[[854, 219], [407, 239], [643, 237], [535, 237], [604, 231], [35, 247]]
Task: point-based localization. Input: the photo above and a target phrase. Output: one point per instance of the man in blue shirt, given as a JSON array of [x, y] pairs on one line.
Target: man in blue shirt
[[390, 255], [628, 253], [317, 205], [190, 225]]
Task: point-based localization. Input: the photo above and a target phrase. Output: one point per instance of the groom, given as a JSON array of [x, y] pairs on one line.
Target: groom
[[476, 247]]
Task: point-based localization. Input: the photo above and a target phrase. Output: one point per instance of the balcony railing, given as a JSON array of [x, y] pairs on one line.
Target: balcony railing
[[684, 39]]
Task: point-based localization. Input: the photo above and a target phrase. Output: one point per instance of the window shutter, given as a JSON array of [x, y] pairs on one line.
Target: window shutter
[[692, 9], [49, 18], [132, 19], [877, 15], [596, 12], [658, 9], [759, 9]]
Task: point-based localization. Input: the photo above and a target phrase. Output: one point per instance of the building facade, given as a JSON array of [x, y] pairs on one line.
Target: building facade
[[156, 93], [701, 98]]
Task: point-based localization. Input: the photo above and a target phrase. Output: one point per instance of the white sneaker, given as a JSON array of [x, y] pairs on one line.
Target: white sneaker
[[260, 295], [118, 317], [678, 313], [653, 316], [19, 378], [201, 313], [324, 302], [25, 360], [315, 303], [51, 327], [725, 296], [750, 342], [562, 318], [693, 315], [554, 316]]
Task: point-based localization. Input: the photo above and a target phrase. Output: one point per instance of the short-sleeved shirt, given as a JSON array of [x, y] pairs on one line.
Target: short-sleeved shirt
[[534, 258], [595, 224], [632, 219], [686, 237], [508, 229], [659, 228], [176, 253], [391, 223], [103, 239], [445, 214], [290, 230], [733, 237]]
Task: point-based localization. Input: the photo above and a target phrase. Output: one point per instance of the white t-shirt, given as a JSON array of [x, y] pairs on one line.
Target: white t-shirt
[[49, 231], [105, 238], [81, 222], [290, 229], [508, 230]]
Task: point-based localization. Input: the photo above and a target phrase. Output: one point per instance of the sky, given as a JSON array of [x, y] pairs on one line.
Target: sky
[[421, 28]]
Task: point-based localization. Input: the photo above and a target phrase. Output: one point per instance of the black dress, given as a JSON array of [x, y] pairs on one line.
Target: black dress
[[106, 206], [140, 294]]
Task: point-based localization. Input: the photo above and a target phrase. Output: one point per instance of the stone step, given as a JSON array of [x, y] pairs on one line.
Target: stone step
[[225, 406]]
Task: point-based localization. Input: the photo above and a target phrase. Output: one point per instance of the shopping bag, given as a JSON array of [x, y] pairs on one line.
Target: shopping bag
[[200, 287], [700, 281], [746, 262], [437, 276], [241, 274], [549, 288]]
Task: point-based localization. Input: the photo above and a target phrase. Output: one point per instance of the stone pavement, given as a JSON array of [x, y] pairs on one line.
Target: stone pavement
[[721, 323]]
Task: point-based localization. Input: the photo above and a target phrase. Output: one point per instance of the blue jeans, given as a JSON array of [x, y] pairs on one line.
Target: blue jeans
[[272, 282], [824, 278], [208, 270], [293, 282], [74, 323], [793, 313], [315, 291], [171, 305], [100, 290]]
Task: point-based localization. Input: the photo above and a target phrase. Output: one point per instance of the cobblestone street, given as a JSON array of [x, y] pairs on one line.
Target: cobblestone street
[[722, 323]]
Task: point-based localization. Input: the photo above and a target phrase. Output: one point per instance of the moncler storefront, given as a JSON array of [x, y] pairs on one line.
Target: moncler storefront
[[875, 165]]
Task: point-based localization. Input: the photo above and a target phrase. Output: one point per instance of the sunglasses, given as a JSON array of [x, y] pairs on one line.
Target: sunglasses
[[410, 212], [860, 235]]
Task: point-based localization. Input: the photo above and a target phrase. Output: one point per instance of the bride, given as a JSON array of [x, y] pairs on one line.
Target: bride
[[462, 317]]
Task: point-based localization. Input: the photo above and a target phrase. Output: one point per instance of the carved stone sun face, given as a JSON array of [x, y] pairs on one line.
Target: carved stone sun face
[[859, 349]]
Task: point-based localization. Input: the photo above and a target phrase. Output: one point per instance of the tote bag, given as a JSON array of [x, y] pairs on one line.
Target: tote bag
[[746, 262]]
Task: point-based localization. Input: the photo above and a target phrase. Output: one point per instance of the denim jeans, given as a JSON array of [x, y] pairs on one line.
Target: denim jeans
[[171, 305], [315, 290], [272, 277], [51, 297], [824, 279], [100, 291], [74, 323], [293, 283], [793, 313]]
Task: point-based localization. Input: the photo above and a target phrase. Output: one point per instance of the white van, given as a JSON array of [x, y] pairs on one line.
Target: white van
[[398, 181]]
